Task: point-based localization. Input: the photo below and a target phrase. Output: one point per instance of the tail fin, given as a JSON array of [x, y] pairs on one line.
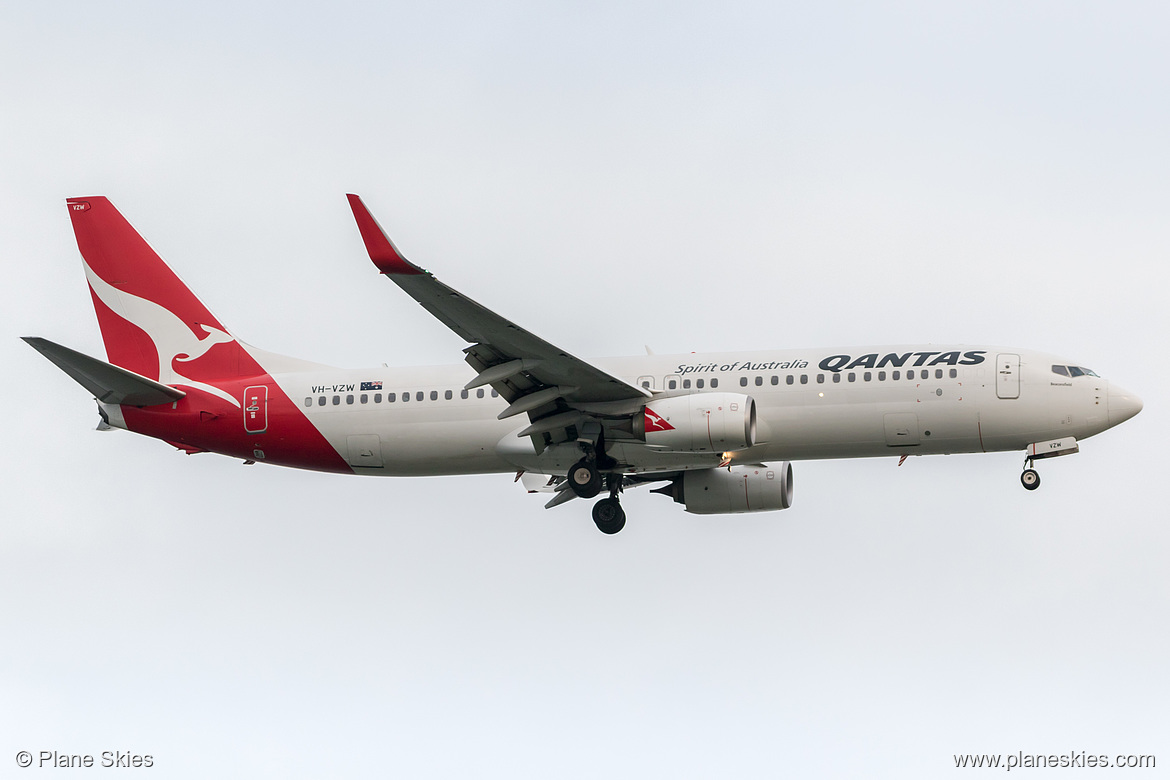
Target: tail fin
[[148, 317]]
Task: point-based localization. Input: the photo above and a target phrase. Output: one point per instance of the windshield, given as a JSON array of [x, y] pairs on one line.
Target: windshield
[[1073, 371]]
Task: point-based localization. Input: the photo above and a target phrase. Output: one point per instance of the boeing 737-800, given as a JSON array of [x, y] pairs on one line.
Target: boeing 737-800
[[718, 430]]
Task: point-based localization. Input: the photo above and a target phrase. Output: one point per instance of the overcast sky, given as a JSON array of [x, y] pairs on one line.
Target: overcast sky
[[688, 176]]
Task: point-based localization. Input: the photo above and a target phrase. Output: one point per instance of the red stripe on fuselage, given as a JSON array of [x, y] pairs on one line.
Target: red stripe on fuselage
[[208, 422]]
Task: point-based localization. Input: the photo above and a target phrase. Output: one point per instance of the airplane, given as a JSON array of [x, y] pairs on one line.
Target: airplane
[[719, 431]]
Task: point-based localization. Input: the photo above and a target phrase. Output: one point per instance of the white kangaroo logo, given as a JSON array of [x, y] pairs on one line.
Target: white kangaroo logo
[[657, 422], [173, 340]]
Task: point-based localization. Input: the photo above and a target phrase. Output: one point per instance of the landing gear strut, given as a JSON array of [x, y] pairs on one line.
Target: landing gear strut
[[1030, 479], [585, 475]]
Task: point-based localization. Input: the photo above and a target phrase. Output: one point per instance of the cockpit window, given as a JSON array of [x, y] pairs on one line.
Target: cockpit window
[[1073, 371]]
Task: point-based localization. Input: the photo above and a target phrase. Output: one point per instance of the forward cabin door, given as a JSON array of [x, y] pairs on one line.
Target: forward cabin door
[[256, 409], [1007, 376]]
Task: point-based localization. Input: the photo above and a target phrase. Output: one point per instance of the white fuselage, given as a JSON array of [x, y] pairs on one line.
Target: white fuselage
[[805, 410]]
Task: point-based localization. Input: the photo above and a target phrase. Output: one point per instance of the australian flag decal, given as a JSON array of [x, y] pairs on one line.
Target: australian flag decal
[[371, 385]]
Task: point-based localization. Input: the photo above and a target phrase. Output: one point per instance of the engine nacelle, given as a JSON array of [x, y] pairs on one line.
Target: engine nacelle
[[759, 488], [701, 422]]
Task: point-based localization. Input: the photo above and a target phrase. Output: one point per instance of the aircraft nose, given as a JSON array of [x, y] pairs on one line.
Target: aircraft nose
[[1122, 404]]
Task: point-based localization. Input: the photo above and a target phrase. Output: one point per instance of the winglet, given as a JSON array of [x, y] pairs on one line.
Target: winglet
[[382, 250]]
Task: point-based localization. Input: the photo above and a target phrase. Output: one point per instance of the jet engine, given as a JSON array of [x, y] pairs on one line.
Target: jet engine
[[759, 488], [701, 422]]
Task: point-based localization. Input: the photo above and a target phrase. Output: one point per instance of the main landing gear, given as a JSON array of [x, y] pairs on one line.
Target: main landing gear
[[609, 516], [1030, 479], [585, 480]]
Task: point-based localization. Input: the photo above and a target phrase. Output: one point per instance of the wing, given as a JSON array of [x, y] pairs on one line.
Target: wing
[[561, 393]]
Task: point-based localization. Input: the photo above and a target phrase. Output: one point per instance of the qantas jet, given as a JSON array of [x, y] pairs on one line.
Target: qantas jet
[[718, 431]]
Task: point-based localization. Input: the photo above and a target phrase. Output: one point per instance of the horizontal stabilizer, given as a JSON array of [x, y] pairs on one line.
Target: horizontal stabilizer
[[109, 384]]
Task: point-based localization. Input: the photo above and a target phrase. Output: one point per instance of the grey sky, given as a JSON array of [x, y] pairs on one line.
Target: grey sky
[[752, 176]]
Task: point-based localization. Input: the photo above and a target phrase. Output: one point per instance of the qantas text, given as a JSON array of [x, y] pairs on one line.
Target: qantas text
[[842, 362]]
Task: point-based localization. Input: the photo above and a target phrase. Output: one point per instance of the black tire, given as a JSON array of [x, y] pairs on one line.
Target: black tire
[[1030, 479], [609, 516], [584, 479]]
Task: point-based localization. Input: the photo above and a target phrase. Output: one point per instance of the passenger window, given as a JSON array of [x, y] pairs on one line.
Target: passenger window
[[938, 373], [479, 393], [759, 381], [337, 400], [391, 398], [852, 377], [495, 394], [714, 382], [349, 399], [363, 398], [646, 384], [820, 379], [881, 376], [743, 381], [954, 373], [672, 384], [910, 374], [308, 402], [867, 376], [686, 384], [321, 401], [448, 395], [804, 379], [418, 396], [463, 394], [896, 375], [699, 383], [789, 379], [775, 379], [377, 398], [836, 378], [405, 397]]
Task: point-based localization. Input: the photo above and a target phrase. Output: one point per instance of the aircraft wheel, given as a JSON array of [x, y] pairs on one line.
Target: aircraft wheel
[[609, 516], [584, 479], [1030, 479]]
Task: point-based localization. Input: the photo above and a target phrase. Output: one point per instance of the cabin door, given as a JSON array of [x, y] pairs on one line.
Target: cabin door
[[256, 409], [1007, 376]]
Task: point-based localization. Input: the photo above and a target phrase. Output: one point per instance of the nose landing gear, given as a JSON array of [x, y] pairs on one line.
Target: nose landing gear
[[1045, 449], [1030, 479]]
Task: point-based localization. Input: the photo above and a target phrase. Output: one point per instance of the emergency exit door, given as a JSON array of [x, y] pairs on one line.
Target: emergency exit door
[[256, 409], [1007, 376]]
